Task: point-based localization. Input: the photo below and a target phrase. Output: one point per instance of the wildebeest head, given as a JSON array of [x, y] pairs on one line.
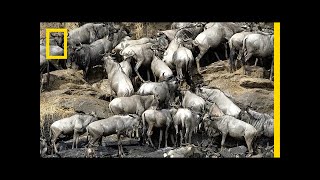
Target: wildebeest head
[[136, 125], [58, 37], [215, 111], [101, 30], [244, 116]]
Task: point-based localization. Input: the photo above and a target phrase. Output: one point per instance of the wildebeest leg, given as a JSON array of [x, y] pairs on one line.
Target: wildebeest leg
[[120, 150], [155, 78], [181, 137], [172, 139], [136, 68], [190, 135], [166, 136], [186, 135], [246, 58], [224, 135], [100, 141], [149, 133], [74, 139], [54, 139], [215, 53], [160, 137], [148, 75], [226, 50], [249, 139], [202, 52], [271, 72], [177, 131], [231, 60], [255, 64]]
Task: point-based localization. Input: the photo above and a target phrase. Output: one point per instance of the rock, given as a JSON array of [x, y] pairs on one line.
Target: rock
[[260, 100], [239, 150], [60, 77], [96, 74], [256, 83], [86, 104], [216, 66], [182, 152], [104, 87], [226, 153], [84, 89]]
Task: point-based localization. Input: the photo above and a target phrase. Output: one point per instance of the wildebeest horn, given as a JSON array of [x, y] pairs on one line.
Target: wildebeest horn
[[113, 52], [152, 47]]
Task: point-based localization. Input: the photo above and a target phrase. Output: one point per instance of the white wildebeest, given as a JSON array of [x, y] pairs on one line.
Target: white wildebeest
[[261, 121], [183, 60], [120, 82], [116, 124], [212, 37], [229, 125], [160, 119], [165, 90], [220, 99], [189, 122], [160, 69], [135, 104], [193, 102], [235, 45], [259, 46], [75, 124], [142, 53]]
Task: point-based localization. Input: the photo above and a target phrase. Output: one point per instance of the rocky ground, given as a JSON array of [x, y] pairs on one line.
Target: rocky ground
[[68, 93]]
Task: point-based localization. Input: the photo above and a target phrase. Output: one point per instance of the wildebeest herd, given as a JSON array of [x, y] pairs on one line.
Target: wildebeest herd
[[159, 101]]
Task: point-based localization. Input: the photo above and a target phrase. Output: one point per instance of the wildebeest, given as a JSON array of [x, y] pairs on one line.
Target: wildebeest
[[165, 90], [122, 45], [229, 125], [235, 45], [213, 37], [87, 34], [160, 119], [142, 53], [193, 102], [170, 34], [54, 51], [160, 69], [126, 67], [259, 46], [134, 104], [188, 121], [120, 82], [168, 54], [116, 124], [44, 67], [43, 147], [180, 25], [222, 101], [88, 55], [75, 124], [261, 121], [183, 60]]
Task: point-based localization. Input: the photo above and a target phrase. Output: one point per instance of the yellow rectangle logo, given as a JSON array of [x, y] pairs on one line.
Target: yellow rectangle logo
[[65, 34]]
